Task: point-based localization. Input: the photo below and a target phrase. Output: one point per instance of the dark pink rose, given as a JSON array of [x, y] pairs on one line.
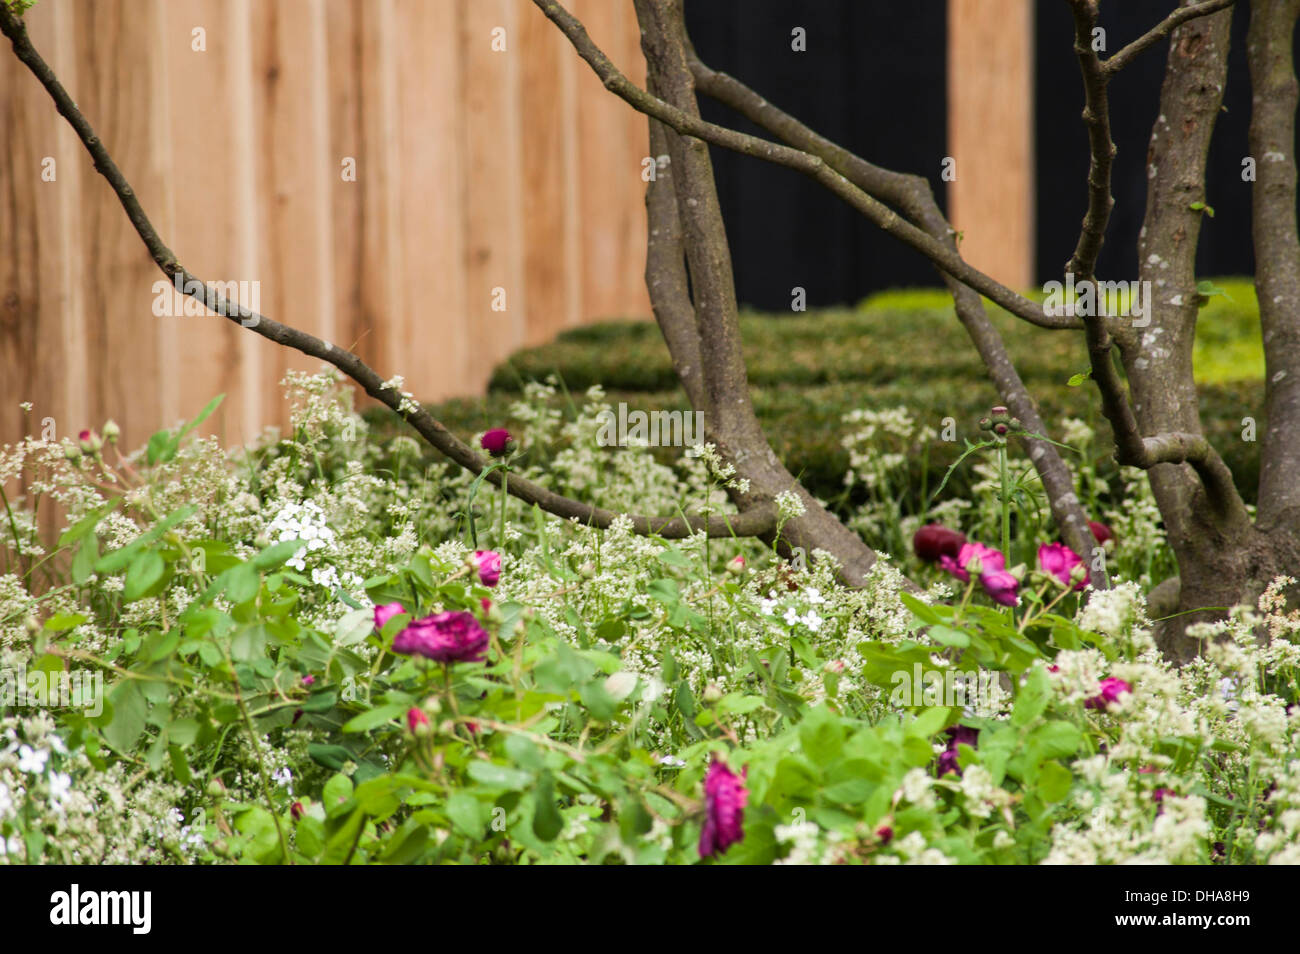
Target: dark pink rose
[[444, 637], [933, 541], [488, 564], [957, 734], [386, 612], [1111, 692], [1058, 560], [496, 441], [724, 804]]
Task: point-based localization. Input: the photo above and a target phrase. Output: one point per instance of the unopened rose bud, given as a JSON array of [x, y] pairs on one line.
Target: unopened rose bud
[[261, 541], [447, 727], [1078, 573], [737, 566], [111, 431], [216, 789], [1019, 571], [71, 451], [432, 705], [89, 441], [712, 693], [296, 810], [587, 570]]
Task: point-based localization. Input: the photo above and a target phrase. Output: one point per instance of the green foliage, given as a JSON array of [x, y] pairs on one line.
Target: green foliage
[[898, 348]]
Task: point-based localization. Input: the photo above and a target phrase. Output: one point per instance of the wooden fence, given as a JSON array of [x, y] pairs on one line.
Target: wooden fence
[[480, 172], [483, 177]]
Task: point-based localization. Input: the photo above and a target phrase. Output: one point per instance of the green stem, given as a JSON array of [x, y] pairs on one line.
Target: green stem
[[505, 497]]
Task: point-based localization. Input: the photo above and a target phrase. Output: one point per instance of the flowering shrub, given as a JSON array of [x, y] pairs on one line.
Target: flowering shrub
[[328, 651]]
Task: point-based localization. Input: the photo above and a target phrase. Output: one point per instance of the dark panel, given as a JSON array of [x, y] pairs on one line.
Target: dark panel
[[872, 78], [1225, 247]]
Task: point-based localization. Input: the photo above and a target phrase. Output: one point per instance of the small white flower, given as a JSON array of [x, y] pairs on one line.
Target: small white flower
[[32, 760]]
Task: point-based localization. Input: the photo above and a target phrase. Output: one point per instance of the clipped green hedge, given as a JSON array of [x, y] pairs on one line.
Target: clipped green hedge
[[901, 348]]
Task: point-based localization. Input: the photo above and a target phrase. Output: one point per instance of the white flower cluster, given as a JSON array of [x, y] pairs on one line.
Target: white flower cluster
[[306, 522]]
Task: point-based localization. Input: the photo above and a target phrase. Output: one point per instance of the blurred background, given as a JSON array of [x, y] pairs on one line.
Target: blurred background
[[497, 198]]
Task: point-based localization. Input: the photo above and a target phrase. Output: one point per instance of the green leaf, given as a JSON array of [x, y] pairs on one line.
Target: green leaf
[[1054, 781], [493, 775], [88, 522], [83, 564], [920, 609], [145, 570], [375, 717], [1033, 698], [241, 583], [61, 622], [274, 555], [466, 814], [1078, 378], [547, 821], [130, 710], [336, 794]]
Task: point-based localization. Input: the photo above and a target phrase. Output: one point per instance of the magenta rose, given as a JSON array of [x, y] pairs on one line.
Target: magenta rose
[[933, 541], [488, 564], [1058, 560], [724, 804], [957, 734], [999, 584], [444, 637], [1110, 693], [1100, 532], [496, 441], [386, 612]]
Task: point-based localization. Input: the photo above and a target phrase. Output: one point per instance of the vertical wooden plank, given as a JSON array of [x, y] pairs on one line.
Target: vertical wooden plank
[[604, 172], [117, 76], [493, 190], [546, 124], [40, 362], [634, 299], [990, 117], [292, 162], [432, 328], [343, 52], [204, 206]]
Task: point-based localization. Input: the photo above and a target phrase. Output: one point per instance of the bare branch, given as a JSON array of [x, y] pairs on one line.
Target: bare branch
[[1096, 115], [665, 276], [912, 194], [757, 521], [1158, 32], [814, 167], [1277, 251]]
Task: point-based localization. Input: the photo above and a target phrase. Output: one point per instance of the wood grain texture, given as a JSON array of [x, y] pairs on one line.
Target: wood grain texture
[[990, 124], [476, 169]]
